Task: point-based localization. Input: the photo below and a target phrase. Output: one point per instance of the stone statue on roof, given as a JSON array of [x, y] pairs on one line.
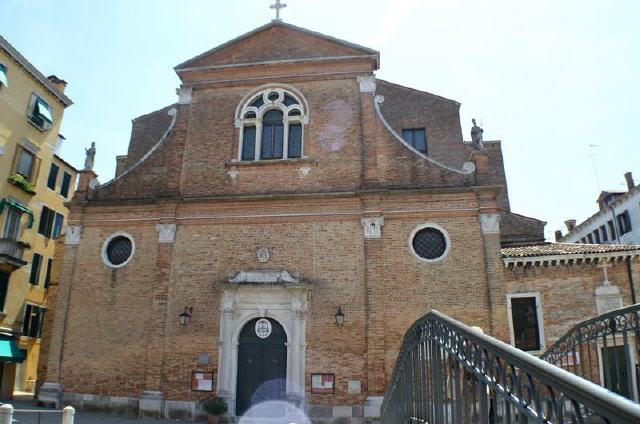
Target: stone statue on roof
[[476, 136], [90, 158]]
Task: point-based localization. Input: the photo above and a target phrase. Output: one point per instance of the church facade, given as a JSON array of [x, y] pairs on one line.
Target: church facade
[[273, 234]]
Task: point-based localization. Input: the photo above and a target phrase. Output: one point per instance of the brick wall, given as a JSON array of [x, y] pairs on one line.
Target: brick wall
[[568, 291], [122, 334]]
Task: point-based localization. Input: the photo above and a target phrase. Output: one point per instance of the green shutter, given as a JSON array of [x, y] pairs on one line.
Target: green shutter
[[3, 75], [64, 187], [35, 269], [43, 110], [53, 176], [44, 217], [57, 225], [47, 278], [15, 205], [27, 319]]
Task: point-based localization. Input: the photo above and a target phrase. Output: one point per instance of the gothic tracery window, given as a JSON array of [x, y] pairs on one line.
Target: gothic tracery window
[[271, 126]]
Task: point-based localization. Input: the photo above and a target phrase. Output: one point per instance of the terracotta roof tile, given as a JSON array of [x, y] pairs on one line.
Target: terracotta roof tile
[[551, 249]]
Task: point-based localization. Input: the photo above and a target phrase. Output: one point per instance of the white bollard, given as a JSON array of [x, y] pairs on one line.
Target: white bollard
[[67, 415], [6, 413]]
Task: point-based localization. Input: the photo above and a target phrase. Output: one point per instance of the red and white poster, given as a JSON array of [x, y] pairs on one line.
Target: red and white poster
[[323, 383], [202, 381]]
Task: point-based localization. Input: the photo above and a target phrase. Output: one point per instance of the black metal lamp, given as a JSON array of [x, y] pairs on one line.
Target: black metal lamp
[[339, 317], [184, 316]]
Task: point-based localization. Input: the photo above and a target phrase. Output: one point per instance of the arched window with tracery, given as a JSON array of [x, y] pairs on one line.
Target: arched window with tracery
[[271, 125]]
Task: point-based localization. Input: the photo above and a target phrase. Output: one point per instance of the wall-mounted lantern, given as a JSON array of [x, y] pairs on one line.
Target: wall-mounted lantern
[[339, 317], [184, 316]]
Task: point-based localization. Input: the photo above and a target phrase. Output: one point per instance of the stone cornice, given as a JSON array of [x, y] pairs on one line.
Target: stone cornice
[[290, 196], [277, 62]]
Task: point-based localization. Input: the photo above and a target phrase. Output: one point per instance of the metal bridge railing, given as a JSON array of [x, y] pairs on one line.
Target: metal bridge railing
[[604, 350], [449, 373]]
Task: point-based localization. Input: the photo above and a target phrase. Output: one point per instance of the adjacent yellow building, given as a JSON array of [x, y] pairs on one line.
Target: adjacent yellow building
[[35, 184]]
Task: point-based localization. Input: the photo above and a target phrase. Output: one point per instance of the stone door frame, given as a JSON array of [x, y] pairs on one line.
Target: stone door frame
[[285, 303]]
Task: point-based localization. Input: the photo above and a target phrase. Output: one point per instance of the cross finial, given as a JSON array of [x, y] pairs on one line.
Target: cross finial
[[277, 6], [605, 266]]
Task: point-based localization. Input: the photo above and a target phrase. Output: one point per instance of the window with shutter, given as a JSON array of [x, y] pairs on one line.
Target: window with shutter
[[53, 176], [4, 287], [12, 224], [25, 163], [50, 224], [34, 276], [40, 114], [64, 187], [525, 323], [416, 138], [47, 277], [26, 321], [4, 80], [603, 231], [624, 222], [32, 322], [612, 230], [57, 225]]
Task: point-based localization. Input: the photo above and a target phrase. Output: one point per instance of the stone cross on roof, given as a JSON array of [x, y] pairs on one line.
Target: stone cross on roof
[[277, 6], [605, 266]]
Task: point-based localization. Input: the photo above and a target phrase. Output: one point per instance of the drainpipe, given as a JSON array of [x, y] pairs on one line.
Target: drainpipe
[[631, 284]]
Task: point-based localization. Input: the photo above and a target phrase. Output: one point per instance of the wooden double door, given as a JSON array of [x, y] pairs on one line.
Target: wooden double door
[[262, 368]]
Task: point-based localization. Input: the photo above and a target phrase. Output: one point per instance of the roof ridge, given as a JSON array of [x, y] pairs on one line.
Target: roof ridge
[[419, 91], [273, 24], [155, 111]]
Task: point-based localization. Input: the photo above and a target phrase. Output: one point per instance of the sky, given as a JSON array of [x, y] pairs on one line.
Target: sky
[[557, 81]]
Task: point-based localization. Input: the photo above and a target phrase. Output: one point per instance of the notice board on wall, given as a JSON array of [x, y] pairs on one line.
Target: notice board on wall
[[323, 383], [201, 381]]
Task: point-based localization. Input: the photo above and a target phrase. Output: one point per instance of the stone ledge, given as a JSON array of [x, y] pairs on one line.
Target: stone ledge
[[235, 164]]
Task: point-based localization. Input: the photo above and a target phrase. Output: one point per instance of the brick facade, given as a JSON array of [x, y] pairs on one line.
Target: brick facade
[[116, 333]]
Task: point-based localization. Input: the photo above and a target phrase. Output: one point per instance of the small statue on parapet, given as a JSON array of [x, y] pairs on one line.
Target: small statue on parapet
[[90, 158], [476, 136]]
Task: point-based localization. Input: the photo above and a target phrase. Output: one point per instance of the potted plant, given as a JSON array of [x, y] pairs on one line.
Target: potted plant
[[214, 407], [21, 182]]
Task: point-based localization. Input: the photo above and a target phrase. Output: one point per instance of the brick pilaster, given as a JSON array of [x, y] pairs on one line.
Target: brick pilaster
[[156, 341]]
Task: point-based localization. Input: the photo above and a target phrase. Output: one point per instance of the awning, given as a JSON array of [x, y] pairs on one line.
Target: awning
[[9, 351], [17, 206]]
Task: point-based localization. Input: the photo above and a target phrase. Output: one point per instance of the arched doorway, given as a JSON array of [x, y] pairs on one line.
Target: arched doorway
[[262, 364]]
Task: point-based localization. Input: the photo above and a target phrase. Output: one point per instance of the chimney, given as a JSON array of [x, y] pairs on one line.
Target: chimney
[[629, 178], [59, 83], [570, 223], [558, 235], [121, 162]]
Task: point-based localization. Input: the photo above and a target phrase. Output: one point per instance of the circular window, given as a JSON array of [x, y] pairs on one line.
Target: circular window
[[273, 96], [429, 243], [118, 250]]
